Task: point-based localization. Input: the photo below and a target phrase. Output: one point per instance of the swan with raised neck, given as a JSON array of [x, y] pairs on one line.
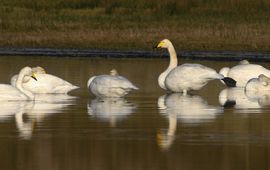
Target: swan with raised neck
[[187, 76], [173, 61]]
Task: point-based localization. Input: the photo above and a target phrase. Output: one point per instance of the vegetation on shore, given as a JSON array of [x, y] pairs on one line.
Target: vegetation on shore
[[129, 24]]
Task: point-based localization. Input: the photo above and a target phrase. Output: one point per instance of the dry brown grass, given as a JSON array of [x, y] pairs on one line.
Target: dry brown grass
[[223, 37], [190, 24]]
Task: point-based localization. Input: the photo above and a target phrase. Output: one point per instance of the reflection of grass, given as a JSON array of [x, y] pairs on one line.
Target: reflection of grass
[[121, 24]]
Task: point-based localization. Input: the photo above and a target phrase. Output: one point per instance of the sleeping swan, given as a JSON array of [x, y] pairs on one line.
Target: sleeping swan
[[10, 93], [262, 83], [186, 76], [243, 72], [46, 83], [112, 85]]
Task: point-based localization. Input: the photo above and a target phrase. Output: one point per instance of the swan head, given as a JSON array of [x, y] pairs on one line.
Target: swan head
[[244, 62], [164, 44], [224, 71], [113, 72], [264, 78], [260, 84], [38, 70], [26, 74]]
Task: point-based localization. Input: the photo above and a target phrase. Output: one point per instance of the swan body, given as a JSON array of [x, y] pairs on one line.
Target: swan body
[[262, 83], [243, 72], [186, 76], [189, 77], [112, 85], [10, 93], [46, 83]]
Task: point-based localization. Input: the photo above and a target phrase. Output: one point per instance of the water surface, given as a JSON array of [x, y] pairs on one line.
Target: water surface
[[214, 128]]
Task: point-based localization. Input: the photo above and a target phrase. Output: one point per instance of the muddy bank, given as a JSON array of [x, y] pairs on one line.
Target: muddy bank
[[198, 55]]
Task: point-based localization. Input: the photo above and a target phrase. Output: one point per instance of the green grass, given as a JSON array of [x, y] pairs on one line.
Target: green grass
[[130, 24]]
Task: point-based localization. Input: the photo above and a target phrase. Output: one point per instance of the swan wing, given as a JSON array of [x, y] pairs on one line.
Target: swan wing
[[195, 72], [190, 76]]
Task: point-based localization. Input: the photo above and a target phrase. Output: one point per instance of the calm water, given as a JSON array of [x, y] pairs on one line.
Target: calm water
[[146, 130]]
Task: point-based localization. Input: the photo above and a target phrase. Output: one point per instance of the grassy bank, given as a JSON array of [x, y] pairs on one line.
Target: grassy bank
[[130, 24]]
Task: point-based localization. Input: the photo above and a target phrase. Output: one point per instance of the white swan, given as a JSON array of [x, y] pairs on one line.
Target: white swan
[[186, 76], [262, 83], [8, 92], [112, 85], [47, 83], [243, 72]]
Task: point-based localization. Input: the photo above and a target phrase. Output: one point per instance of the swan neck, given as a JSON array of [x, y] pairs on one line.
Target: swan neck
[[19, 86], [173, 57], [172, 65]]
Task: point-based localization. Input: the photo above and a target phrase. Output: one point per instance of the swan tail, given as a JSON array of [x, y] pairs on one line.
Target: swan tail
[[229, 82], [131, 88], [75, 87], [135, 87]]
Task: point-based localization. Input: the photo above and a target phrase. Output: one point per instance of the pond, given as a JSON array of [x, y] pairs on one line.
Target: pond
[[214, 128]]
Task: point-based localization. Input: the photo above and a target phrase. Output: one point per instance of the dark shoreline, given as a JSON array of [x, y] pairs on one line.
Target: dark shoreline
[[197, 55]]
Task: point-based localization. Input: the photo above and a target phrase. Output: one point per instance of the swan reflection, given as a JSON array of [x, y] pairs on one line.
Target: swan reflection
[[110, 109], [28, 113], [245, 101], [188, 109]]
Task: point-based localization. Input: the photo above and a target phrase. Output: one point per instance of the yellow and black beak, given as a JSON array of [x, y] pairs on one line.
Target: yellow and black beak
[[159, 45], [34, 76]]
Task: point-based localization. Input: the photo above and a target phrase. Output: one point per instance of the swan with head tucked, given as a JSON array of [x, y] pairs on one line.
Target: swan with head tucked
[[261, 83], [9, 93], [112, 85], [186, 76], [243, 72], [47, 83]]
